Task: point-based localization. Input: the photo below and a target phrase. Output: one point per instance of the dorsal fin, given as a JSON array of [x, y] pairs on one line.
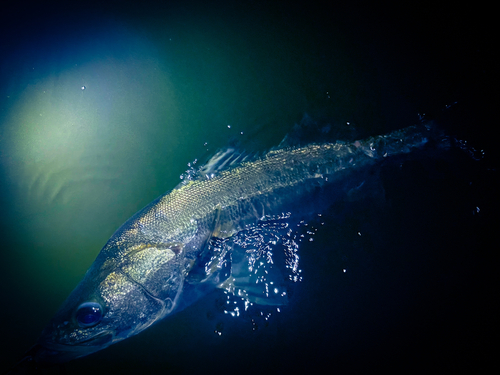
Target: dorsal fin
[[222, 160]]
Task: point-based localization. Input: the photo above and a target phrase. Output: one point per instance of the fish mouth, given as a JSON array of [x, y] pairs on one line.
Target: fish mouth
[[52, 353], [103, 338]]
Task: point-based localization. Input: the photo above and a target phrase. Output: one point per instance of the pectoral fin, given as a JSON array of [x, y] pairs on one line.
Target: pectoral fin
[[256, 279], [213, 260], [213, 265]]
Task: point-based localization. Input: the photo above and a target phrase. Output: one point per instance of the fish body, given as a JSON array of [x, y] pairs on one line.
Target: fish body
[[142, 273]]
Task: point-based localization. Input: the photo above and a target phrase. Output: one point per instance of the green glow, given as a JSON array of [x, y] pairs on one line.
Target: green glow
[[74, 154]]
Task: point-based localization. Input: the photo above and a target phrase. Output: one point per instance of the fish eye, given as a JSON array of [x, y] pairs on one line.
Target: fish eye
[[88, 314]]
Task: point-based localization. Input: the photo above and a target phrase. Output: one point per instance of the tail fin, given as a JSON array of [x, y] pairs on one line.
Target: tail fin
[[404, 140]]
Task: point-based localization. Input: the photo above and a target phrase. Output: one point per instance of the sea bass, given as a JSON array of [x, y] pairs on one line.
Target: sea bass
[[157, 263]]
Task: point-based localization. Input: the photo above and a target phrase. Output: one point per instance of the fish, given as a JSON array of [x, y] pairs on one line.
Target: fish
[[164, 258]]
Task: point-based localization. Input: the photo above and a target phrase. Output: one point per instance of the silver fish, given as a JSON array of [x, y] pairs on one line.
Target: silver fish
[[142, 273]]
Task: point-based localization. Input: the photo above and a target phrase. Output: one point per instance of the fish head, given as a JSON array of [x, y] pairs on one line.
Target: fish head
[[118, 298]]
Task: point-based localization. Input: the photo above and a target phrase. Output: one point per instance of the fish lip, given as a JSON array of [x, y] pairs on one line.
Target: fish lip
[[99, 339], [53, 352]]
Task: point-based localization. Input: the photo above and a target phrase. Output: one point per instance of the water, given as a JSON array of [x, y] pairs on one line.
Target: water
[[394, 283]]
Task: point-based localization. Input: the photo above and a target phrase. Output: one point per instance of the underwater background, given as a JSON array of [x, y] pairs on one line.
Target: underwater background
[[103, 106]]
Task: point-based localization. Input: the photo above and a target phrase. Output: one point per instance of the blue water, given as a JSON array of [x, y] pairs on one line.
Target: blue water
[[399, 281]]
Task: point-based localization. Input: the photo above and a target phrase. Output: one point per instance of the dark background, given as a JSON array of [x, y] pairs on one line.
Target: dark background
[[163, 80]]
